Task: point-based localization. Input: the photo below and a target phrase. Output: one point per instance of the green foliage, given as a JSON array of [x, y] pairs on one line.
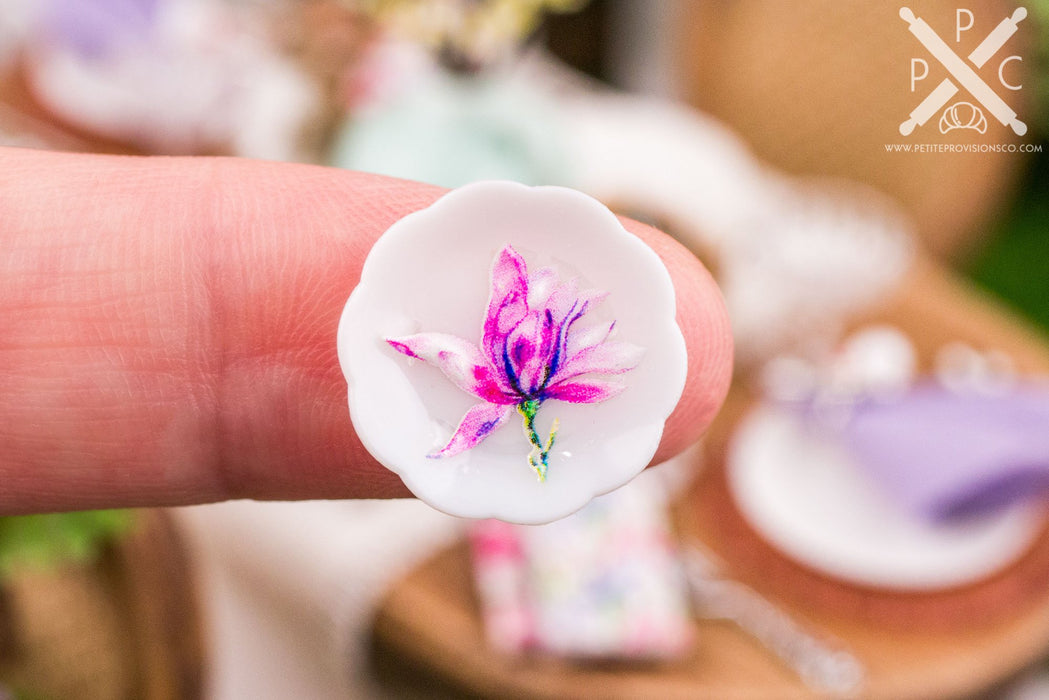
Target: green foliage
[[1038, 11], [47, 540], [1014, 264]]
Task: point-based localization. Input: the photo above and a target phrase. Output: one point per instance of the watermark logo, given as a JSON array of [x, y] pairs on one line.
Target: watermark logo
[[962, 114]]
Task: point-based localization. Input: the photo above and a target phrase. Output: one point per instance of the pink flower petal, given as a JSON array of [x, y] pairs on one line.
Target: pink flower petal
[[579, 306], [588, 337], [562, 299], [584, 391], [605, 358], [507, 305], [509, 285], [568, 304], [460, 361], [476, 425], [529, 347], [541, 284]]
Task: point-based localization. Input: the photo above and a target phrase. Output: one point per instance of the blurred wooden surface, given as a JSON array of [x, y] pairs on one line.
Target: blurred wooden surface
[[821, 87], [942, 644], [126, 627], [31, 124]]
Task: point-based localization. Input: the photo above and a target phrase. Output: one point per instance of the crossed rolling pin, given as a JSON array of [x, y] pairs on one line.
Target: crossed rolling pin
[[961, 72]]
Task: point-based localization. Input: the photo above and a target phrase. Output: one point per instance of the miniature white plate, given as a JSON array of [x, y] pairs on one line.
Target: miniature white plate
[[430, 273], [804, 495]]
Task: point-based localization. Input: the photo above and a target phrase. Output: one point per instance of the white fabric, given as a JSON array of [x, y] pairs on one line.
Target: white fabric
[[289, 590]]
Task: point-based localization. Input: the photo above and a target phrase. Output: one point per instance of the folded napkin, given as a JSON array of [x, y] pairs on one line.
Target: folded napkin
[[944, 454]]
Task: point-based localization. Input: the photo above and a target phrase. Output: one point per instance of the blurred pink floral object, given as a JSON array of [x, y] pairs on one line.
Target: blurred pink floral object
[[534, 347]]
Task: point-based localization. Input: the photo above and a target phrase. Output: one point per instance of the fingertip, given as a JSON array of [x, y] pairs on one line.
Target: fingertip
[[703, 319]]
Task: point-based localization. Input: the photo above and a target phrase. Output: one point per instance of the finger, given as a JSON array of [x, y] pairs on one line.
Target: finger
[[703, 319], [168, 330]]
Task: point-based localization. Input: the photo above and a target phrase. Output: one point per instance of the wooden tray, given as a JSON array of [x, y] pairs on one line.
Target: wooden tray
[[22, 115], [126, 626], [428, 632]]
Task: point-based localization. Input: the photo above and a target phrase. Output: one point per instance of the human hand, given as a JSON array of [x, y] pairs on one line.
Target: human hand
[[167, 330]]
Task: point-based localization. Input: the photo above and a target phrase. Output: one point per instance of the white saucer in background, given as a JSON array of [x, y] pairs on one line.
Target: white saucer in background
[[804, 495]]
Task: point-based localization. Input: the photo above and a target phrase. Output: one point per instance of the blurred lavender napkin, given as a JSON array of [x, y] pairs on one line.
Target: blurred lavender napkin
[[946, 455], [94, 27]]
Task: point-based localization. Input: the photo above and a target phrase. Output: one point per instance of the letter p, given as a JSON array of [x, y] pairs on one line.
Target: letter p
[[958, 28], [914, 75]]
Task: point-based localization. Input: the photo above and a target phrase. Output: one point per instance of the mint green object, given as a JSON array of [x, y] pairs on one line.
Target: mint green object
[[454, 129]]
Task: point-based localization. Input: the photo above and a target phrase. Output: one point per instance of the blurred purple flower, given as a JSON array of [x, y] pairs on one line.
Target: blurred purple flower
[[532, 349]]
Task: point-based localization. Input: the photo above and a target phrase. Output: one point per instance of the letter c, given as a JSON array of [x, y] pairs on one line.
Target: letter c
[[1001, 75]]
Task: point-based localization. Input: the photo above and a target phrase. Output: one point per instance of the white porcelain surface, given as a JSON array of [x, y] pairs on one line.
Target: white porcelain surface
[[805, 496], [430, 273]]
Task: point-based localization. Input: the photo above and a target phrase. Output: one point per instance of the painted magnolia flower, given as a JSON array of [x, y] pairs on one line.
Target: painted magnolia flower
[[535, 346], [516, 344]]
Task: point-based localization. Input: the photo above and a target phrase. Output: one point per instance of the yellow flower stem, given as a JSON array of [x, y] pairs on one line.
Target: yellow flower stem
[[538, 458]]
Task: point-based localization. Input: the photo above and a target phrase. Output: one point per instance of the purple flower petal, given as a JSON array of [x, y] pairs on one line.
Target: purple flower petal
[[460, 360], [584, 391], [606, 358], [476, 425]]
